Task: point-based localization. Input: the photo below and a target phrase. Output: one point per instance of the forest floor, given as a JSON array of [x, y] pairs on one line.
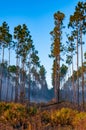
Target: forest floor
[[56, 106], [42, 116]]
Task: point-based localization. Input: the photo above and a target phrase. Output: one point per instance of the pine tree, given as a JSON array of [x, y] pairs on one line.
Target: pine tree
[[56, 49]]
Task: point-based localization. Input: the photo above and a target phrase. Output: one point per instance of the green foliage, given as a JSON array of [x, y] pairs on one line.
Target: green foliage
[[2, 105], [5, 36], [18, 115], [15, 114], [11, 112], [63, 116], [56, 49], [45, 117], [12, 68], [63, 70], [31, 111], [42, 72], [35, 58], [85, 55], [69, 117]]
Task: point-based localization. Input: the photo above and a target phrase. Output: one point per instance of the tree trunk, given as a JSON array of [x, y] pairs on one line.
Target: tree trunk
[[22, 92], [8, 76], [1, 75], [82, 68], [17, 81], [3, 54], [77, 70], [29, 87], [12, 93], [58, 78], [0, 83], [9, 56], [55, 81], [74, 90], [7, 87]]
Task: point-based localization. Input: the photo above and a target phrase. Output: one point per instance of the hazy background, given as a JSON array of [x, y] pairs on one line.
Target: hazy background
[[38, 16]]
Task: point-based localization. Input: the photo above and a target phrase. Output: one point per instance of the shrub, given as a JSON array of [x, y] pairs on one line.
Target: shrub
[[12, 113], [63, 116], [2, 105], [31, 111], [79, 121], [45, 117]]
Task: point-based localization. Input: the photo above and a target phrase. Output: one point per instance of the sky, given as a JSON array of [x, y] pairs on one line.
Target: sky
[[38, 16]]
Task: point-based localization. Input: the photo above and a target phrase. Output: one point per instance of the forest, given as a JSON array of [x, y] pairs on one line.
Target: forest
[[26, 102]]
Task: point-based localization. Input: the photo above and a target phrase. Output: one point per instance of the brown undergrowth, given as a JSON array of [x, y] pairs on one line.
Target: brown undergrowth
[[50, 116]]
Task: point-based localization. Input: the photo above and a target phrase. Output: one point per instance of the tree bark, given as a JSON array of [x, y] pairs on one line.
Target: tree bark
[[82, 67], [77, 69], [17, 81]]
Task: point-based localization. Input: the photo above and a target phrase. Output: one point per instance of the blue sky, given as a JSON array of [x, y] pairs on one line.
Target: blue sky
[[38, 16]]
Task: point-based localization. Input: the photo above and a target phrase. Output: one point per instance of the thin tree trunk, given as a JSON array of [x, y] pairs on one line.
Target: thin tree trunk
[[58, 78], [17, 81], [3, 54], [0, 83], [7, 91], [82, 68], [22, 92], [8, 75], [9, 56], [77, 70], [29, 87], [1, 75], [12, 93], [29, 78], [55, 81], [6, 98], [73, 82]]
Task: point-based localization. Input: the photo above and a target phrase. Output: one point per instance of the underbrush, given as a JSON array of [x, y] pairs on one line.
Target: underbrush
[[18, 115], [65, 117]]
